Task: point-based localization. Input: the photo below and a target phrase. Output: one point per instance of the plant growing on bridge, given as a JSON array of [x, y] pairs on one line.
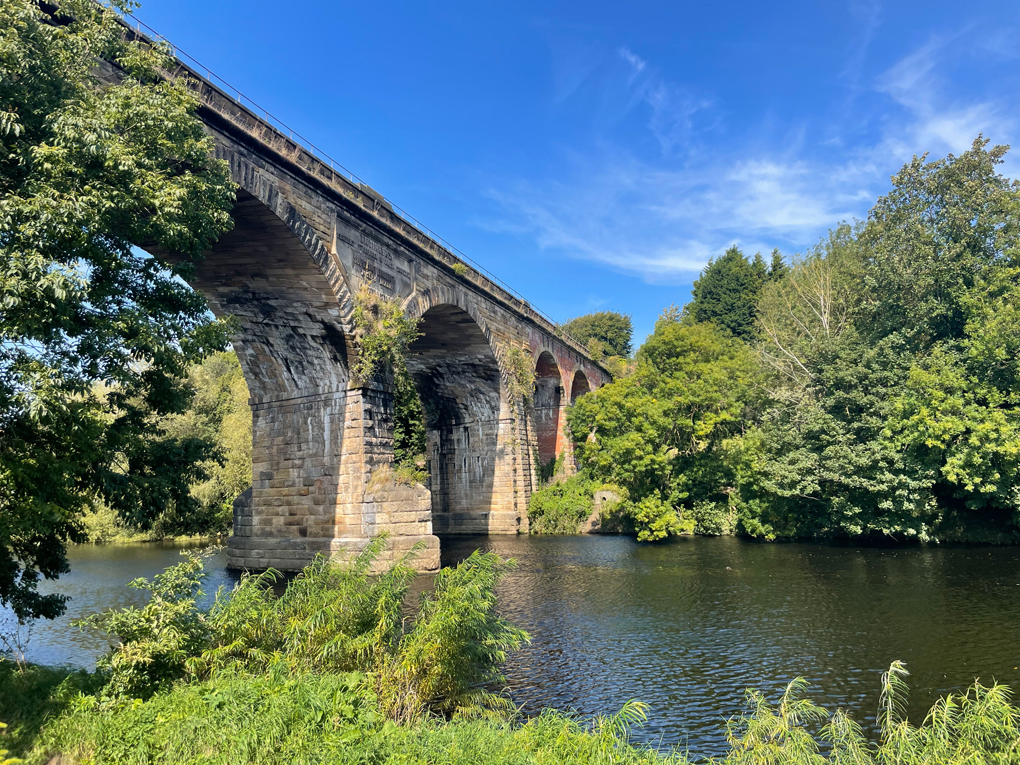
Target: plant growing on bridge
[[382, 333], [96, 337], [518, 371]]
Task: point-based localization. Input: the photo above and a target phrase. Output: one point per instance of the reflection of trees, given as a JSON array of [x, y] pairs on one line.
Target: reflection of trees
[[687, 626]]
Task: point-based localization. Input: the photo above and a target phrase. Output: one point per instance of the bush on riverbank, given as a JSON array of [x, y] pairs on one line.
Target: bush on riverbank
[[330, 673], [561, 507], [281, 717], [333, 617]]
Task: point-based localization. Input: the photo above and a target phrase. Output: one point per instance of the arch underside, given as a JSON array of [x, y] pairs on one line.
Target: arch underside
[[294, 355], [579, 386], [547, 408], [317, 442], [467, 426]]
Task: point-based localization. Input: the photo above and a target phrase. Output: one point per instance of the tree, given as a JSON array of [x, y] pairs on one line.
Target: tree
[[96, 336], [808, 308], [727, 291], [606, 333], [895, 347], [219, 414], [943, 230], [777, 267], [659, 433]]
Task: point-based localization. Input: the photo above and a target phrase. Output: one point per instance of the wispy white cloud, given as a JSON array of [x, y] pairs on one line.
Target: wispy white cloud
[[936, 121], [662, 217], [635, 61]]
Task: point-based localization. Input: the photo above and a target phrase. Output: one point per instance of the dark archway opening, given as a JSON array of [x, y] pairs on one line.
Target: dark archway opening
[[548, 397], [457, 378], [579, 387], [294, 355]]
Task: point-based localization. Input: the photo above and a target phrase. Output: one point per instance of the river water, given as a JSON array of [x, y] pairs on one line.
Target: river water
[[687, 626]]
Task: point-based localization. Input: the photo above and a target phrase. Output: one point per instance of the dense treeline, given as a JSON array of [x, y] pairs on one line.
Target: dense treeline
[[871, 386], [218, 417]]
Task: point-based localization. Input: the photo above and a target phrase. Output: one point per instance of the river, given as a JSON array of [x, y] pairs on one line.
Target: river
[[687, 626]]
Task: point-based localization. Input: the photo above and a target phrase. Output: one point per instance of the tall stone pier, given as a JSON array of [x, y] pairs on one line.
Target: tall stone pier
[[305, 239]]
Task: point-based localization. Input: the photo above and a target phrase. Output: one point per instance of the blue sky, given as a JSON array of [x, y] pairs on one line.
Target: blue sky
[[594, 155]]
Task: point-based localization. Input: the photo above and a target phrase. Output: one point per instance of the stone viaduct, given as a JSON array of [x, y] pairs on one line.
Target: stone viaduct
[[304, 240]]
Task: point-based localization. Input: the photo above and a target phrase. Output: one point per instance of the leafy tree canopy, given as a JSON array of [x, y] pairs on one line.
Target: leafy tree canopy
[[95, 336], [606, 333], [893, 348], [659, 433]]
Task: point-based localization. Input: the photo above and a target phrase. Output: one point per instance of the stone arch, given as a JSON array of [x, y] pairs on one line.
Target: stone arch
[[547, 404], [459, 381], [292, 306], [579, 386]]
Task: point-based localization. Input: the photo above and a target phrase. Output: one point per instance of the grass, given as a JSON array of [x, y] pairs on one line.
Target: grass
[[282, 716], [331, 673]]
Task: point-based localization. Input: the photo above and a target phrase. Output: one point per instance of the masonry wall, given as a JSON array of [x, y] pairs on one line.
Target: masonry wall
[[322, 481]]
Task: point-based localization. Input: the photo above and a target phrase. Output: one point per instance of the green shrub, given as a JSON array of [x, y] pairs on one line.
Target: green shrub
[[654, 519], [979, 726], [333, 617], [157, 639], [711, 518], [561, 508], [455, 649]]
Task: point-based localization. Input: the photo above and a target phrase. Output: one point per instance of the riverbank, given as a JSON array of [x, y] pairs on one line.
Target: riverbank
[[283, 718], [102, 526], [685, 625], [255, 679]]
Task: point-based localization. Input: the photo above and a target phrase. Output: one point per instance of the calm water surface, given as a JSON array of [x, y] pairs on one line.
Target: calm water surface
[[687, 626]]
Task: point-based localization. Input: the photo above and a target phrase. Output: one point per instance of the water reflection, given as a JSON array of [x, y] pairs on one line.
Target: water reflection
[[97, 582], [687, 626]]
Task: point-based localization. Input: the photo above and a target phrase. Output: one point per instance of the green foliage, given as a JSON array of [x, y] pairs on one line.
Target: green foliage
[[219, 414], [157, 639], [660, 433], [727, 291], [455, 648], [809, 310], [980, 725], [711, 518], [382, 333], [942, 233], [605, 334], [281, 717], [408, 427], [655, 519], [462, 270], [4, 759], [518, 371], [95, 336], [892, 349], [333, 617], [561, 507]]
